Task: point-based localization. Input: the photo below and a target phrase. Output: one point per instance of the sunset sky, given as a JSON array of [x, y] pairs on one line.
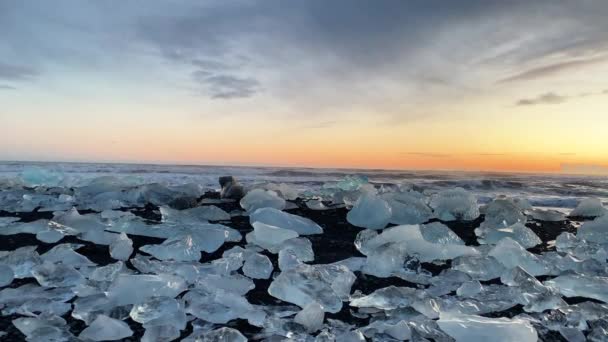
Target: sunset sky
[[419, 84]]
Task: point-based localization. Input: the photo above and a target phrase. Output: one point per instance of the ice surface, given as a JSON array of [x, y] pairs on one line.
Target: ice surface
[[595, 231], [388, 298], [573, 285], [437, 232], [278, 218], [370, 212], [311, 317], [219, 306], [407, 208], [122, 247], [224, 334], [105, 328], [21, 261], [469, 289], [325, 284], [133, 289], [470, 328], [52, 328], [479, 267], [259, 198], [180, 248], [257, 266], [37, 176], [589, 207], [65, 253], [511, 254], [455, 204], [267, 236], [518, 232], [502, 213], [546, 215], [6, 275], [57, 275]]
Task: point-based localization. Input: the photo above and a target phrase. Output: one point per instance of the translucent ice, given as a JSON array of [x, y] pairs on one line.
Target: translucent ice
[[224, 334], [6, 275], [132, 289], [518, 232], [589, 207], [502, 213], [36, 176], [21, 261], [469, 289], [122, 247], [437, 232], [370, 212], [572, 285], [219, 306], [455, 204], [595, 231], [267, 236], [324, 284], [257, 266], [407, 208], [311, 317], [180, 248], [546, 215], [511, 254], [479, 267], [470, 328], [57, 275], [278, 218], [105, 328], [388, 298], [259, 198]]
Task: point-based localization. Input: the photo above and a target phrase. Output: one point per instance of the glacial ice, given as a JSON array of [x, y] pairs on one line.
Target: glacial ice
[[589, 207], [37, 176], [121, 248], [471, 328], [257, 266], [407, 208], [179, 248], [105, 328], [455, 204], [595, 231], [311, 317], [518, 232], [439, 233], [267, 236], [6, 275], [511, 254], [259, 198], [278, 218], [133, 289], [573, 285], [57, 275], [388, 298], [502, 213], [370, 212], [546, 215], [325, 284]]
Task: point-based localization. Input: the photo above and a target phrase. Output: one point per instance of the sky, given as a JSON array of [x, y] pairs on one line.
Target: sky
[[420, 84]]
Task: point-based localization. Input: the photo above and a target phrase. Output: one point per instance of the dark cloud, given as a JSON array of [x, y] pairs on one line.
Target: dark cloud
[[429, 155], [547, 98], [6, 87], [552, 69], [16, 72], [219, 86]]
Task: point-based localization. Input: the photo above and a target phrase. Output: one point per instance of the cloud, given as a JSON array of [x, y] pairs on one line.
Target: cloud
[[429, 155], [552, 69], [219, 86], [16, 72], [547, 98], [6, 87]]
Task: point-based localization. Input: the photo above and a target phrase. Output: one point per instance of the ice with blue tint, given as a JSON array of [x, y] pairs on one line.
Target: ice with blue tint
[[589, 207], [281, 219], [455, 204], [370, 211], [259, 198], [473, 328]]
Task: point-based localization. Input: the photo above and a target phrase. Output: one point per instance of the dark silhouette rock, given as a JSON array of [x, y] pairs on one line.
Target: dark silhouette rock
[[185, 202], [231, 188]]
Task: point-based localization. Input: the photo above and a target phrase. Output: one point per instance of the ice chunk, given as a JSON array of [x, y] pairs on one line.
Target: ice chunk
[[511, 254], [51, 328], [224, 334], [157, 311], [6, 275], [589, 207], [21, 261], [284, 190], [518, 232], [288, 259], [311, 317], [133, 289], [57, 275], [121, 248], [388, 298], [278, 218], [532, 293], [469, 289], [258, 198], [65, 253], [437, 232], [407, 208], [455, 204], [108, 272], [105, 328], [267, 236], [595, 231], [194, 215], [479, 267], [257, 266], [502, 213], [370, 212], [572, 285], [49, 236], [470, 328], [219, 306], [324, 284], [180, 248]]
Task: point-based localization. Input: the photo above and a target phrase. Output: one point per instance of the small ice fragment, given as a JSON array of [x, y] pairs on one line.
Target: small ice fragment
[[469, 289], [370, 212], [573, 285], [595, 231], [311, 317], [278, 218], [257, 266], [132, 289], [179, 248], [57, 275], [511, 254], [267, 236], [589, 207], [105, 328], [502, 213], [259, 198], [471, 328], [6, 275], [455, 204], [407, 208], [121, 248], [518, 232]]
